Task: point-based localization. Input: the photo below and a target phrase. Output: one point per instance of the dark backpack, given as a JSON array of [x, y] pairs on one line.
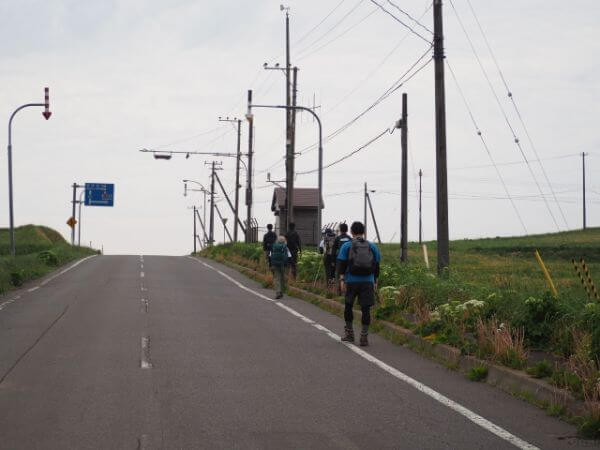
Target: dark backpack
[[279, 254], [329, 241], [361, 259]]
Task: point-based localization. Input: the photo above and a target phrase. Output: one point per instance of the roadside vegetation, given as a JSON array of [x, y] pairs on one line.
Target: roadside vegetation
[[40, 250], [495, 304]]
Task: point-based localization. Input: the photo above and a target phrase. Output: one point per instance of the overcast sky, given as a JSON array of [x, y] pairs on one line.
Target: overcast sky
[[128, 74]]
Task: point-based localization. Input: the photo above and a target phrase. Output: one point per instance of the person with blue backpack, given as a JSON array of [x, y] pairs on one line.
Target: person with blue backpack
[[279, 259], [358, 265]]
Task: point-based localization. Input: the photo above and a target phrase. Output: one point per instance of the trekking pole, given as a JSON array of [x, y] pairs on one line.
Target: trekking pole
[[317, 276]]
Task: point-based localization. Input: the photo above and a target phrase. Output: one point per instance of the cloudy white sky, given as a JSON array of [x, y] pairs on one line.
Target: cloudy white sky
[[128, 74]]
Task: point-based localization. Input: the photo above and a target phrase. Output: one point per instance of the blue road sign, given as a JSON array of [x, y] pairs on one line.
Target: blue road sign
[[99, 194]]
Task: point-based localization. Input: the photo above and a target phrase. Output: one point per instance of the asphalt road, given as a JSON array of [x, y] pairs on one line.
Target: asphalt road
[[153, 352]]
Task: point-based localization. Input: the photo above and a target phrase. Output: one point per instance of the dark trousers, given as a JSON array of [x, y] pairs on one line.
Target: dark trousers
[[365, 293], [293, 263], [329, 262]]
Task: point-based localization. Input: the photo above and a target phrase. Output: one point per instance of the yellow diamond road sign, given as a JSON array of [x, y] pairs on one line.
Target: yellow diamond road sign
[[71, 222]]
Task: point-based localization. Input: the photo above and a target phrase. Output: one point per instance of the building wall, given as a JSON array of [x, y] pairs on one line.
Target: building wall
[[306, 225]]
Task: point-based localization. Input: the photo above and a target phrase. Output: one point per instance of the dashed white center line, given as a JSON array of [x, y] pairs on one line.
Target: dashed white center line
[[144, 305], [142, 274], [145, 353], [458, 408]]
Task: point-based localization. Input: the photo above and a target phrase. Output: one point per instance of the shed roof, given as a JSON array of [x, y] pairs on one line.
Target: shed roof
[[303, 198]]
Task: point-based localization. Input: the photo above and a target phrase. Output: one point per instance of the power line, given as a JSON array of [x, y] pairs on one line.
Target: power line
[[510, 96], [397, 19], [393, 88], [416, 21], [309, 32], [485, 146], [338, 23], [491, 86], [514, 163], [377, 67], [352, 153], [306, 55]]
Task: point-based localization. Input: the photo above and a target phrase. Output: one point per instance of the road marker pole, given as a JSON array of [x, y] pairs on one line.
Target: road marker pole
[[546, 273]]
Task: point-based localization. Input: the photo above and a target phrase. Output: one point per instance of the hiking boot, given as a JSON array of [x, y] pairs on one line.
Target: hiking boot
[[364, 340], [278, 296], [349, 335]]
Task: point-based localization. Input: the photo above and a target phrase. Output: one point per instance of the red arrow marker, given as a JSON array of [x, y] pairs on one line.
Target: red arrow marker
[[47, 112]]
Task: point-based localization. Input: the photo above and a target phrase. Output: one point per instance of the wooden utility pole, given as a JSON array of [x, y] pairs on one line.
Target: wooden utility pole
[[249, 177], [404, 214], [443, 235], [584, 205], [420, 207]]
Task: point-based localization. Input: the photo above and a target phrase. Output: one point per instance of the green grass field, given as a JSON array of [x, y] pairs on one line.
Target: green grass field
[[510, 263], [40, 250]]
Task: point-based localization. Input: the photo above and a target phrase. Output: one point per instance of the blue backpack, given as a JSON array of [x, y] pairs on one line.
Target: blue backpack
[[279, 254]]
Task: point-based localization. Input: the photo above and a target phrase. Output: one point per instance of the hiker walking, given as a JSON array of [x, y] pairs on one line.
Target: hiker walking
[[268, 240], [295, 246], [358, 265], [279, 258], [340, 240], [326, 249]]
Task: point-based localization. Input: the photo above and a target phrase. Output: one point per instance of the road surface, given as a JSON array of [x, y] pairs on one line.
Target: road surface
[[156, 352]]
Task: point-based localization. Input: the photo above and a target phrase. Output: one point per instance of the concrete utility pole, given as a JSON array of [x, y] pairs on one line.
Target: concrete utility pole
[[443, 235], [420, 207], [237, 175], [195, 234], [404, 214], [584, 205], [249, 177], [211, 229], [291, 154], [365, 210], [74, 202]]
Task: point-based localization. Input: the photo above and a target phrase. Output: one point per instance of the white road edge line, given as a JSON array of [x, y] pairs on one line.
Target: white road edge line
[[43, 283], [465, 412], [145, 354]]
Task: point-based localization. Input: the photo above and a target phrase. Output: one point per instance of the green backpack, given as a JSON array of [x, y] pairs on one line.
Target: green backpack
[[279, 254]]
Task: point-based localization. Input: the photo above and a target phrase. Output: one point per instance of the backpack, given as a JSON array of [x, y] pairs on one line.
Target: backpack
[[329, 242], [279, 254], [361, 258]]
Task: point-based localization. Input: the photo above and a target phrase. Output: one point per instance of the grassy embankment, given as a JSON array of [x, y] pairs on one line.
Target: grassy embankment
[[40, 250], [495, 303]]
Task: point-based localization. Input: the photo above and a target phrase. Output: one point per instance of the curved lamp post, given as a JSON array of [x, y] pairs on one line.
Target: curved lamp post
[[303, 108], [46, 115]]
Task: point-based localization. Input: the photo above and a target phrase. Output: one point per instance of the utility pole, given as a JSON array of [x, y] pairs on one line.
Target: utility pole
[[74, 202], [249, 177], [584, 205], [420, 207], [404, 214], [365, 210], [291, 156], [374, 220], [195, 234], [211, 231], [237, 175], [443, 235]]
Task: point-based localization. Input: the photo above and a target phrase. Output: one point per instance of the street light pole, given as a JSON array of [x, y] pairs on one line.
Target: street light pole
[[46, 115], [309, 110]]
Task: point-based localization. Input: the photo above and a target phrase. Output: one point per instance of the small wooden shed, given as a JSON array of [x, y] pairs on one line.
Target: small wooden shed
[[306, 202]]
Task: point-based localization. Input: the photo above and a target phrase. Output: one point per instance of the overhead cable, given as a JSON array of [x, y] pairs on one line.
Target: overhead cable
[[516, 108], [401, 22], [508, 123]]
